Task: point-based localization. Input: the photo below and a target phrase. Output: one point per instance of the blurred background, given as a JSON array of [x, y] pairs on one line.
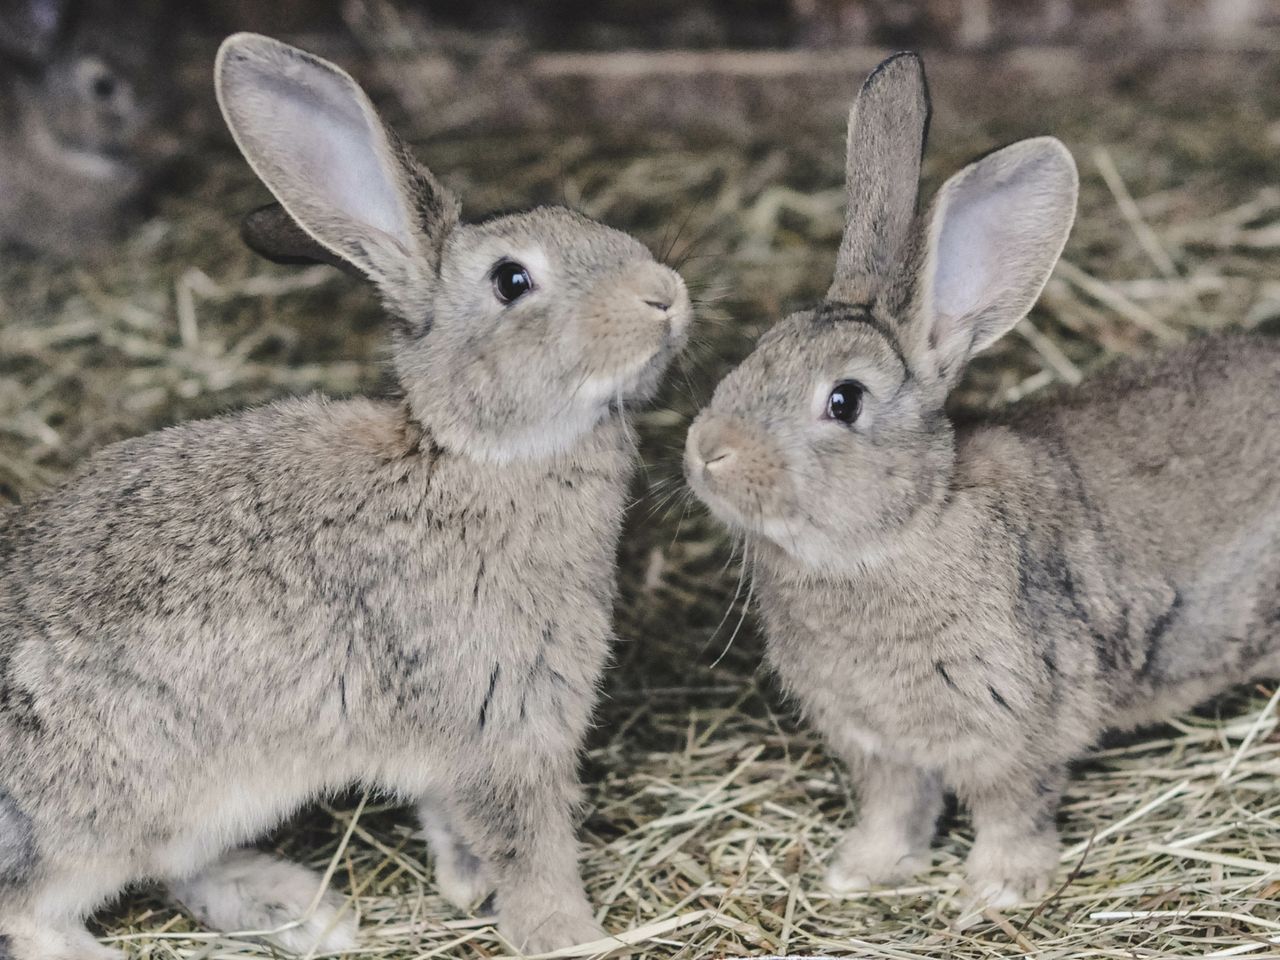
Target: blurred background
[[714, 131]]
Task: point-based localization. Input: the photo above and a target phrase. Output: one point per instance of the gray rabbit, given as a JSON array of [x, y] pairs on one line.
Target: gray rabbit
[[970, 607], [82, 122], [211, 625]]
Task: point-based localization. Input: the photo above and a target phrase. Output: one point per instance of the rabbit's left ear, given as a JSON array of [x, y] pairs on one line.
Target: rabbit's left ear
[[315, 140], [996, 231], [888, 124], [270, 232]]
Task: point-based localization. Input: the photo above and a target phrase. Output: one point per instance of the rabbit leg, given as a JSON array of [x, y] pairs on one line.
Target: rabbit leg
[[43, 901], [899, 808], [461, 877], [29, 939], [519, 821], [250, 891], [1015, 847]]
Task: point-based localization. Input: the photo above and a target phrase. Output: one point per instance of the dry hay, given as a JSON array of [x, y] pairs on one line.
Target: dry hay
[[710, 810]]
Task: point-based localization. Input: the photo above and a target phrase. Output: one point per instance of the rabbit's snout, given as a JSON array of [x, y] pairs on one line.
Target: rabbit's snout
[[636, 322], [735, 469], [661, 290], [710, 450]]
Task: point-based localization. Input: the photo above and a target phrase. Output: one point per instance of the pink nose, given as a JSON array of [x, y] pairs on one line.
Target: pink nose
[[709, 449], [717, 458]]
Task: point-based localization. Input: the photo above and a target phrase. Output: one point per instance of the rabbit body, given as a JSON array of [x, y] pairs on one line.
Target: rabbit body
[[969, 607], [1098, 561]]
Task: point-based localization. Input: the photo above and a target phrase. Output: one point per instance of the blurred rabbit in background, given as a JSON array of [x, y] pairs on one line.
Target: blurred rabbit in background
[[81, 110]]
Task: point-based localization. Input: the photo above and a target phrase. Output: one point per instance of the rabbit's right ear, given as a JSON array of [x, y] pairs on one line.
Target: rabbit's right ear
[[996, 230], [888, 124], [315, 140]]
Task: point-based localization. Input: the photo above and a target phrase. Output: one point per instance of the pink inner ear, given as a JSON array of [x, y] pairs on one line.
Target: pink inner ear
[[966, 257], [319, 150], [999, 228]]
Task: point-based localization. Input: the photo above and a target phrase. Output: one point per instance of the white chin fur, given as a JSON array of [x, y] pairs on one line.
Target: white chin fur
[[819, 551], [544, 440], [534, 443]]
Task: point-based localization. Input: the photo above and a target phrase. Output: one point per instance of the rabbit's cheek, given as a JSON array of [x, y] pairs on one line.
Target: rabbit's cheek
[[625, 352]]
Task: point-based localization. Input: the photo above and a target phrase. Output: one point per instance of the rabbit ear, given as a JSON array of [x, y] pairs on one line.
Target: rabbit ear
[[315, 140], [30, 28], [887, 128], [997, 229], [270, 232]]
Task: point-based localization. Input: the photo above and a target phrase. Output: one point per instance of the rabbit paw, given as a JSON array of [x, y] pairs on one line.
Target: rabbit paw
[[1007, 874], [460, 876], [32, 943], [863, 861], [251, 891], [536, 931]]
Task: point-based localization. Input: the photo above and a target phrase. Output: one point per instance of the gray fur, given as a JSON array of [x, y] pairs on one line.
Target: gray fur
[[971, 607], [17, 843], [211, 625], [887, 127]]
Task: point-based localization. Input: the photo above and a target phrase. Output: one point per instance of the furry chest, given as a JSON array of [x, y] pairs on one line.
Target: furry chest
[[879, 690]]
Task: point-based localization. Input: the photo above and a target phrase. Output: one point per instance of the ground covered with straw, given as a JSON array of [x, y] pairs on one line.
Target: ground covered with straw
[[710, 809]]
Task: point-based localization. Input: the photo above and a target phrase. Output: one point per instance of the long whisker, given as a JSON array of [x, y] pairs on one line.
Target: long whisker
[[745, 607]]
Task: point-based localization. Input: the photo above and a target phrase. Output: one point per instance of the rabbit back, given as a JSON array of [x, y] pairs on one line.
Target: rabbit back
[[1160, 475]]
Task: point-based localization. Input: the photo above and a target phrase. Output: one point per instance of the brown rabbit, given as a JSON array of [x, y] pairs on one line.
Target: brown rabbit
[[969, 608], [211, 625]]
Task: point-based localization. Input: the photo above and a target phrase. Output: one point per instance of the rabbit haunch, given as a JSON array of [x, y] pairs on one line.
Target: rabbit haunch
[[971, 606], [209, 626]]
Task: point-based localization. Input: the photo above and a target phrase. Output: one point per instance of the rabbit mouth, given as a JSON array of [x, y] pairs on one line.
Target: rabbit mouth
[[637, 382], [732, 505]]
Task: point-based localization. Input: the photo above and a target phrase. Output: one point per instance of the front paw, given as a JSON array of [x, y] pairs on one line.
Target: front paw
[[1011, 871], [536, 929], [253, 892], [864, 860], [460, 877]]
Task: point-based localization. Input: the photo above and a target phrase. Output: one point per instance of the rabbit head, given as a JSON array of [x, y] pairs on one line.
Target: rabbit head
[[515, 335], [831, 436], [83, 131], [83, 73]]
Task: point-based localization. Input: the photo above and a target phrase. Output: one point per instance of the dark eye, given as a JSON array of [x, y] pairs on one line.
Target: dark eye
[[845, 402], [511, 281], [104, 85]]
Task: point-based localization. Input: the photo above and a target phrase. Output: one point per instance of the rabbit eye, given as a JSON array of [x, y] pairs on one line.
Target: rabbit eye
[[511, 281], [104, 85], [845, 402]]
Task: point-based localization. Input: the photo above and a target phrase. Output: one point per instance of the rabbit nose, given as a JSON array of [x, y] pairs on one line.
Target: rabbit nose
[[709, 449], [664, 291], [717, 458]]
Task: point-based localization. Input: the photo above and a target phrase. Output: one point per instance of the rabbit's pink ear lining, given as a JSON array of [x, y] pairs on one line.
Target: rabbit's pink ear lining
[[270, 232]]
